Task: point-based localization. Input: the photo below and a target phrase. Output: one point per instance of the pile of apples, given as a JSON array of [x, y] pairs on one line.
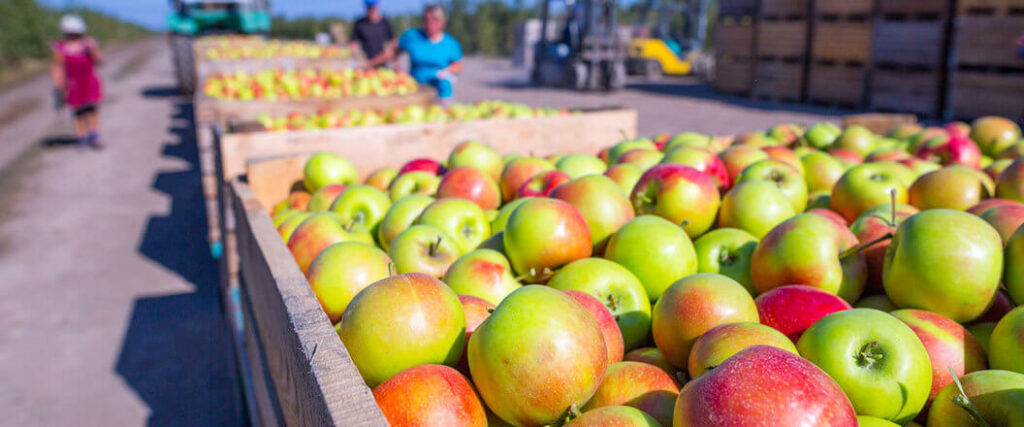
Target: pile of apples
[[827, 277], [331, 119], [273, 85], [229, 50]]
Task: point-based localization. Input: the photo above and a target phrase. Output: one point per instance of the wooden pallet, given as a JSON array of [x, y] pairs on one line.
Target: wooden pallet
[[779, 81], [907, 90], [844, 9], [733, 75], [918, 10], [988, 41], [735, 39], [842, 41], [837, 85], [782, 39], [990, 7], [910, 43], [979, 93]]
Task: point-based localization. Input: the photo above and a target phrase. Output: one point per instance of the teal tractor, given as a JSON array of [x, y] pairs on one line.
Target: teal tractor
[[194, 18]]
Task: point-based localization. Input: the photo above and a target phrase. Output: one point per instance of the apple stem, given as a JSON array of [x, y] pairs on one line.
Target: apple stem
[[866, 358], [892, 197], [860, 248], [964, 402], [574, 412], [432, 249], [391, 269]]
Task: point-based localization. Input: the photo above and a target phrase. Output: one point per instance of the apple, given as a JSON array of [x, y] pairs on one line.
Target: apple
[[478, 156], [602, 205], [429, 395], [811, 250], [415, 182], [996, 168], [622, 147], [605, 321], [542, 184], [539, 354], [1005, 345], [614, 416], [642, 158], [1013, 277], [361, 208], [400, 216], [786, 177], [887, 155], [679, 194], [686, 139], [400, 322], [544, 234], [737, 158], [519, 171], [951, 151], [821, 135], [918, 166], [997, 396], [499, 221], [755, 206], [1001, 305], [785, 155], [792, 309], [856, 138], [982, 332], [289, 225], [326, 168], [727, 251], [994, 134], [987, 204], [381, 178], [755, 139], [637, 385], [822, 171], [877, 360], [864, 187], [830, 215], [471, 184], [297, 200], [1011, 182], [578, 164], [1014, 152], [655, 250], [483, 273], [702, 160], [949, 346], [945, 261], [692, 306], [316, 233], [763, 385], [476, 310], [653, 356], [1005, 219], [615, 287], [323, 198], [424, 249], [343, 269], [461, 219], [625, 176], [723, 341], [869, 421], [871, 229], [430, 166], [786, 133], [904, 130]]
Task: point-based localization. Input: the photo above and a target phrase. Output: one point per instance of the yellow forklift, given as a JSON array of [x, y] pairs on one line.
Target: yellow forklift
[[660, 53]]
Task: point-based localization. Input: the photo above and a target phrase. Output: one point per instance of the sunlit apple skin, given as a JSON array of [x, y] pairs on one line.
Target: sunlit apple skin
[[945, 261], [536, 356], [864, 187], [401, 215], [430, 395], [1013, 276], [704, 161], [869, 421], [830, 215], [343, 269], [679, 194], [994, 134], [790, 391], [476, 310], [424, 249], [605, 321], [361, 208], [517, 172], [318, 232], [430, 166], [462, 219], [821, 171], [544, 234], [471, 184], [578, 164], [785, 155], [623, 147], [625, 176], [381, 178], [755, 206], [873, 226], [297, 200], [996, 168], [483, 273], [856, 138], [401, 322], [987, 204], [610, 416], [604, 208], [289, 225], [542, 184], [1011, 182], [998, 396], [723, 341], [653, 356], [499, 221], [655, 250], [638, 385], [727, 251], [794, 308], [737, 158], [323, 198], [325, 168], [642, 158], [786, 177], [1005, 219], [692, 306], [847, 157], [1006, 348], [415, 182], [955, 150], [477, 155], [948, 344], [806, 250], [952, 187]]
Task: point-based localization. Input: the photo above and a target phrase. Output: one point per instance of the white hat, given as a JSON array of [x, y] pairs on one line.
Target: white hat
[[72, 24]]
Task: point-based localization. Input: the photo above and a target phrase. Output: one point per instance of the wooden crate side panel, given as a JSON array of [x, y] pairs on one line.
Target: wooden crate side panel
[[843, 7], [988, 41], [842, 41], [223, 111], [783, 9], [734, 39], [782, 39], [737, 7], [733, 76], [999, 7], [914, 7], [909, 43], [980, 94], [915, 92], [779, 81], [841, 85], [315, 379]]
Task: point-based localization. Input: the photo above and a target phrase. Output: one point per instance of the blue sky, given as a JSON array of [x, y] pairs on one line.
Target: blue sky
[[151, 13]]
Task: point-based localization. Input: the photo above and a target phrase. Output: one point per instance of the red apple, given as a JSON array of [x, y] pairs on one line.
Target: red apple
[[471, 184], [794, 308], [737, 158], [724, 341], [849, 157], [429, 395], [1005, 219], [609, 328], [653, 356], [680, 194], [544, 234], [424, 165], [638, 385], [952, 151], [625, 176], [702, 160], [316, 233], [517, 172], [642, 158], [948, 344], [542, 184], [603, 206], [987, 204], [322, 199]]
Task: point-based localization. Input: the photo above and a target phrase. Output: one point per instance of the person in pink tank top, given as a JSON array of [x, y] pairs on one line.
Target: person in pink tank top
[[75, 58]]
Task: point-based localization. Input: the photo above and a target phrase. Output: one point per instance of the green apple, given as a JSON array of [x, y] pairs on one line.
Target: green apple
[[476, 155], [864, 187], [876, 359], [1007, 342], [324, 197], [381, 178], [600, 202], [341, 271], [289, 225], [723, 341], [578, 164], [869, 421], [952, 187], [856, 138], [459, 218], [642, 158], [326, 168], [994, 134], [1011, 182], [687, 139], [755, 206], [519, 171], [483, 273], [415, 182], [621, 148], [821, 171], [361, 208], [1013, 277], [877, 302], [657, 251], [821, 135], [786, 177], [499, 221], [738, 157], [997, 397], [316, 233], [625, 176], [544, 234], [401, 215], [727, 251], [424, 249]]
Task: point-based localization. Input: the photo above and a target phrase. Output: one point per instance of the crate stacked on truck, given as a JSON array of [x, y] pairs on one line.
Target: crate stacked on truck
[[783, 32], [841, 39], [735, 46], [986, 64]]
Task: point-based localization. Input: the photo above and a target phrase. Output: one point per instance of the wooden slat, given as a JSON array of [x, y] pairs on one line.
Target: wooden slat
[[783, 9], [988, 41], [843, 7], [990, 7], [782, 39], [976, 94], [842, 41], [836, 85], [914, 7], [910, 43], [737, 7], [734, 39], [906, 91], [779, 81], [735, 76], [315, 381]]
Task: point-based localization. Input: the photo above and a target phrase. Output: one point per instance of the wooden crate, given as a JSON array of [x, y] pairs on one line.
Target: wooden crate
[[907, 90], [844, 7], [977, 93], [990, 7], [779, 80], [837, 85], [733, 75], [916, 9], [782, 39], [988, 41], [734, 39], [917, 43], [737, 8], [842, 41], [784, 10]]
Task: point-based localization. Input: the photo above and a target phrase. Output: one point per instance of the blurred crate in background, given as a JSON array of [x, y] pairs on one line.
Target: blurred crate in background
[[782, 47], [987, 69], [908, 54]]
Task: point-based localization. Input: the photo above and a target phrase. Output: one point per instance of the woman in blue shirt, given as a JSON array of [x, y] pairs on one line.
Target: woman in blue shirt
[[435, 57]]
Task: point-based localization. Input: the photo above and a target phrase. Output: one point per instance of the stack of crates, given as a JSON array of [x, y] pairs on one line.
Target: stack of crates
[[987, 68], [734, 47], [782, 46], [841, 43]]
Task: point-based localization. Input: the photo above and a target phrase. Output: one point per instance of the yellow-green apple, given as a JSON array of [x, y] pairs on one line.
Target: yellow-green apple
[[789, 391], [846, 157], [430, 166], [878, 361], [605, 321], [653, 356], [856, 138], [482, 273], [994, 134], [424, 249], [430, 395], [538, 355], [579, 164], [680, 194], [987, 204], [625, 176], [519, 171], [702, 160], [810, 250], [615, 287], [416, 182], [919, 166], [1011, 182], [822, 171], [945, 261], [996, 168], [642, 158], [821, 135], [1005, 219], [692, 306], [499, 221], [602, 205], [982, 332], [361, 208], [622, 147], [929, 134], [1013, 277], [996, 396], [951, 349], [871, 230], [887, 155], [755, 139], [381, 178], [637, 385], [831, 215], [1006, 345], [323, 198], [282, 215], [869, 421], [298, 200], [723, 341], [738, 157], [1013, 152], [316, 233], [904, 130], [785, 155], [400, 322], [476, 310], [544, 234], [478, 156], [951, 151], [400, 215], [791, 309], [786, 133], [461, 219], [864, 187], [686, 139], [542, 184], [656, 251], [727, 251], [343, 269], [289, 225], [326, 168], [614, 416], [471, 184], [755, 206], [786, 177]]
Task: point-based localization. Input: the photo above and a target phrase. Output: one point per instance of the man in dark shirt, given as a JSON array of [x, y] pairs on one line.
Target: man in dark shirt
[[372, 33]]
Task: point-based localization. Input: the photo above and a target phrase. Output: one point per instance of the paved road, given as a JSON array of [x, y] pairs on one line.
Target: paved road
[[108, 305]]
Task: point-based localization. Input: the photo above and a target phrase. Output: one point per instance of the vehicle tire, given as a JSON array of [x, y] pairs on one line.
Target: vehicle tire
[[184, 64], [653, 70]]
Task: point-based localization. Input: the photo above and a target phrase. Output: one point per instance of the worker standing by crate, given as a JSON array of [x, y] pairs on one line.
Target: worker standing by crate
[[435, 57], [372, 33]]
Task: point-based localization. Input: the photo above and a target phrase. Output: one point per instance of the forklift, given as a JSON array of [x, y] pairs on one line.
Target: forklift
[[661, 53], [589, 56]]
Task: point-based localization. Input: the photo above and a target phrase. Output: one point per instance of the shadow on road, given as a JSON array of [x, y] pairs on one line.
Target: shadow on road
[[59, 141], [161, 92], [695, 89], [177, 349]]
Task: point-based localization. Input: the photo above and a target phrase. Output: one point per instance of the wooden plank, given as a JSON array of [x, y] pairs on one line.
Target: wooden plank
[[910, 43], [842, 41], [913, 8], [737, 7], [988, 41], [837, 85], [976, 94], [878, 123], [843, 7], [734, 39], [784, 9], [779, 81], [782, 39], [315, 379], [990, 7], [735, 76], [913, 91]]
